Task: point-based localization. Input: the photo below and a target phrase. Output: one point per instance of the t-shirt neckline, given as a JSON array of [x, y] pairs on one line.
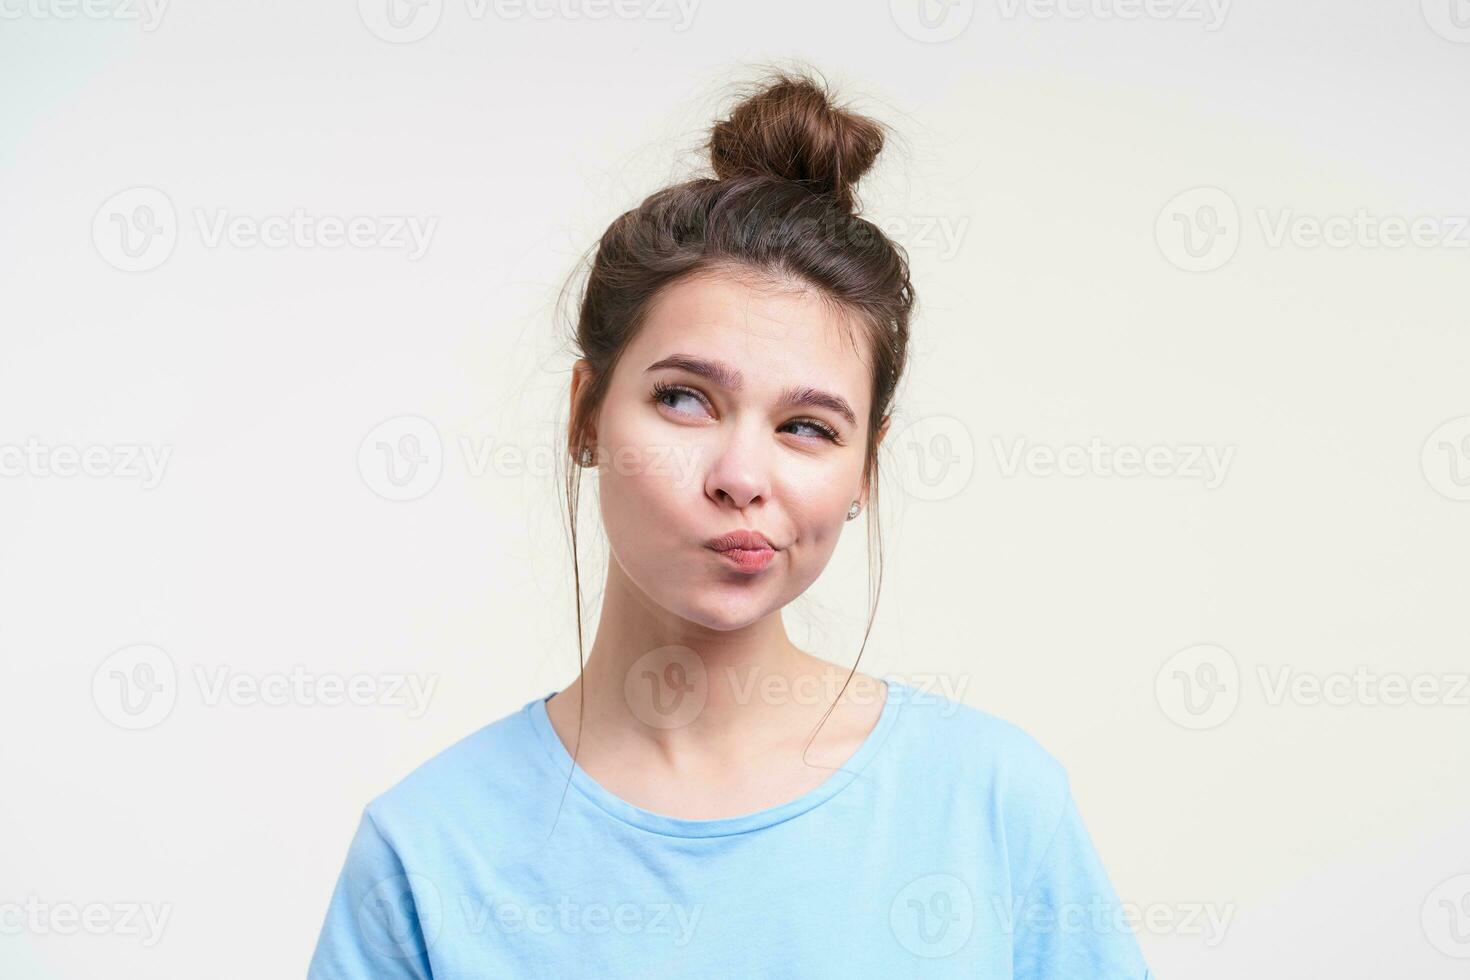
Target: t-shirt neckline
[[658, 823]]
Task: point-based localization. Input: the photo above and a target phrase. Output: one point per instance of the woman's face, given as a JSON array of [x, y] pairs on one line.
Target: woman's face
[[729, 411]]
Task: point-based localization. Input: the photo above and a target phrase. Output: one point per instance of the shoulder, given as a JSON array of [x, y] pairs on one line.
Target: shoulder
[[1003, 792], [977, 751], [480, 773]]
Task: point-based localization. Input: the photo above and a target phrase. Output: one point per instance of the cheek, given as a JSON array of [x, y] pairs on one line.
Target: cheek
[[633, 495], [644, 484], [817, 502]]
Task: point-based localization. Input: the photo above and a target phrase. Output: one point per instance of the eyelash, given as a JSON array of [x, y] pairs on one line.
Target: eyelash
[[662, 389]]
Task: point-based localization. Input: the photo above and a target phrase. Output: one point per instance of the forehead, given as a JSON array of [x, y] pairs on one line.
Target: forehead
[[776, 333]]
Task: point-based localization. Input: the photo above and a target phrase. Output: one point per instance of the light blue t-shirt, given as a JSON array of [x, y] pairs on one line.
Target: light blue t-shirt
[[949, 845]]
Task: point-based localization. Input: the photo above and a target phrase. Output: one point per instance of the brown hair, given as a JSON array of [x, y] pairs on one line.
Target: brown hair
[[781, 208]]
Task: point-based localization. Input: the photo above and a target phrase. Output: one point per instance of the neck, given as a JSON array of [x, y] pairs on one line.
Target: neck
[[655, 677]]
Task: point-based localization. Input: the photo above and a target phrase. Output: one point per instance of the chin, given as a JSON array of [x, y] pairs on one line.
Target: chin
[[715, 609]]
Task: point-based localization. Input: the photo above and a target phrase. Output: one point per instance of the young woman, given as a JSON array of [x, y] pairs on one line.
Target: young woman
[[706, 799]]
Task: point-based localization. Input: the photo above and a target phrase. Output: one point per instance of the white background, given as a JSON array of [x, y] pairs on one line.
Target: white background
[[1050, 144]]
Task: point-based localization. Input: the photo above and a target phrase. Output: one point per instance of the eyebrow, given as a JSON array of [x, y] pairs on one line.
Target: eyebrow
[[730, 378]]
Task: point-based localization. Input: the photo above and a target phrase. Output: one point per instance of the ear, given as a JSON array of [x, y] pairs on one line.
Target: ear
[[581, 380], [877, 443], [882, 431]]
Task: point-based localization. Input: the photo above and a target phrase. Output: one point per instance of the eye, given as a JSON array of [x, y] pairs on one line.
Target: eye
[[824, 431], [663, 393]]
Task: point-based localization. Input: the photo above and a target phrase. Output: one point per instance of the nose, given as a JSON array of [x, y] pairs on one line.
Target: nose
[[740, 473]]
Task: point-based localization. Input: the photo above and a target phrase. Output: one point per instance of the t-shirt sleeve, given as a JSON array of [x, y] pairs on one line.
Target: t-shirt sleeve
[[1070, 924], [375, 924]]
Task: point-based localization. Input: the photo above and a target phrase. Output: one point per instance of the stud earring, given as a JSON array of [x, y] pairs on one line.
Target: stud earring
[[585, 458], [853, 510]]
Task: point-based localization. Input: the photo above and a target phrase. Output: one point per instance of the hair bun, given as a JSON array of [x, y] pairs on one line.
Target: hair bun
[[790, 129]]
